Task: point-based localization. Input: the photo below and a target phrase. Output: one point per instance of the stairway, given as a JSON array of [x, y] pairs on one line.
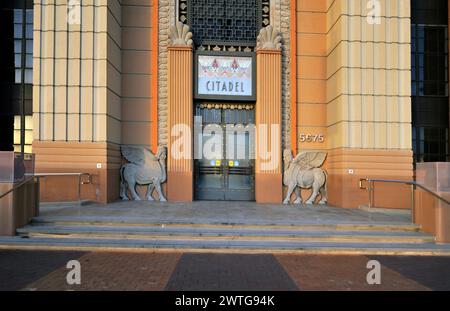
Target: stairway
[[329, 238]]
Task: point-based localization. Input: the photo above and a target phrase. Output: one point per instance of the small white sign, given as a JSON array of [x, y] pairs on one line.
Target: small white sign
[[99, 165]]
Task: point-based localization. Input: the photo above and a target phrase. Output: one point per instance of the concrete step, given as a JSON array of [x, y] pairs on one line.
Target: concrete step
[[305, 226], [112, 233], [228, 245], [176, 232]]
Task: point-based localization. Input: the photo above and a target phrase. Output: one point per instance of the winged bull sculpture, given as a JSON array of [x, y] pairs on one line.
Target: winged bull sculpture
[[144, 168], [304, 172]]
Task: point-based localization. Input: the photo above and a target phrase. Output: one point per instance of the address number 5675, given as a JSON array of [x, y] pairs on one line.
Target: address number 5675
[[312, 138]]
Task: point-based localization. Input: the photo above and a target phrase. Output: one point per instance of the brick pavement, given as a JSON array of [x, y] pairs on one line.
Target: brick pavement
[[45, 270], [231, 272], [322, 272], [19, 268], [114, 271]]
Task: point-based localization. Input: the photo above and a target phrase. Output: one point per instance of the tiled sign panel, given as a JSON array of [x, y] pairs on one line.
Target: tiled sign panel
[[225, 75]]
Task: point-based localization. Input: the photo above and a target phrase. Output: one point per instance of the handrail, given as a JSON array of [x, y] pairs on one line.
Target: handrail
[[413, 185], [405, 182], [66, 174], [80, 181], [15, 187]]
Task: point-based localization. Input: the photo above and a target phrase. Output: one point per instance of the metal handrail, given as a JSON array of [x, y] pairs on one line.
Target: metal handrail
[[79, 175], [15, 187], [413, 185]]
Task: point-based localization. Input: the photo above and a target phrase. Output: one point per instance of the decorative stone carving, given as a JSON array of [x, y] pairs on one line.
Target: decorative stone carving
[[304, 172], [180, 35], [144, 168], [268, 39]]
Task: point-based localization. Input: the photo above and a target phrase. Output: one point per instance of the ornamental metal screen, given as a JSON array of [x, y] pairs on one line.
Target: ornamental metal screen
[[225, 22]]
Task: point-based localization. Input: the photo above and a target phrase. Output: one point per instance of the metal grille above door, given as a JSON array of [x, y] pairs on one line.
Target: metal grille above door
[[225, 22]]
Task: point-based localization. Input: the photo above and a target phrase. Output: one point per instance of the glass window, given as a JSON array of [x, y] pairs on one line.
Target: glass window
[[28, 76], [29, 14], [29, 46], [18, 17], [17, 46], [21, 35], [29, 31], [29, 61], [18, 31], [18, 76], [429, 86], [18, 60]]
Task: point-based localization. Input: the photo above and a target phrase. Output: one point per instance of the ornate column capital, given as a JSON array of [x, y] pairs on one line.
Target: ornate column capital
[[180, 35], [268, 39]]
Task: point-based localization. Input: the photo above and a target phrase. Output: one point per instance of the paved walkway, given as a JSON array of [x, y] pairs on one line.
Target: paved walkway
[[204, 212], [46, 270]]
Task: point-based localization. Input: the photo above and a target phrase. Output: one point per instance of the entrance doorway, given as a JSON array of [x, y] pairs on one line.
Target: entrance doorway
[[225, 171]]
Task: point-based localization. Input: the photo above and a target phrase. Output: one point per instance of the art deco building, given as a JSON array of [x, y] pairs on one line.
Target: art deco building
[[364, 81]]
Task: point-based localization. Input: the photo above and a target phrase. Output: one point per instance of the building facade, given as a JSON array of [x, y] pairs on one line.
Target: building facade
[[364, 81]]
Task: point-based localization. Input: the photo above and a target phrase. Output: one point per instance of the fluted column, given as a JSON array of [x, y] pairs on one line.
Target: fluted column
[[268, 171], [180, 121]]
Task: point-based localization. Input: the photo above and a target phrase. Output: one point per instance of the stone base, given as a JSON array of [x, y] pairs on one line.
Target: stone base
[[180, 186], [343, 191], [18, 208], [432, 214], [269, 188], [75, 157]]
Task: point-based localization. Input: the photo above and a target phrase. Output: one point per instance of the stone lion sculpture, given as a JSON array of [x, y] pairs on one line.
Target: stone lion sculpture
[[144, 168], [304, 172]]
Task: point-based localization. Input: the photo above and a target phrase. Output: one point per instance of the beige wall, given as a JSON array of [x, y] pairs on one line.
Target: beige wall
[[369, 76], [77, 93], [77, 73], [368, 100], [311, 72], [354, 78], [136, 72]]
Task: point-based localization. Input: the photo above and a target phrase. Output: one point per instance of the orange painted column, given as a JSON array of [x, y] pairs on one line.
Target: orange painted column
[[180, 124], [294, 76], [268, 174]]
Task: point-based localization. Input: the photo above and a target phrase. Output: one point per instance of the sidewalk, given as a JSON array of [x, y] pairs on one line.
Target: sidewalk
[[46, 270]]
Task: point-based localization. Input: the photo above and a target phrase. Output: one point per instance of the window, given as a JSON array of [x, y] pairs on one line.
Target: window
[[431, 144], [23, 46], [16, 76], [429, 60], [429, 80]]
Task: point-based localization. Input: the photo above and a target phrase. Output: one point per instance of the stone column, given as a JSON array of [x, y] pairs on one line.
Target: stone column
[[268, 179], [77, 98], [180, 121], [368, 103]]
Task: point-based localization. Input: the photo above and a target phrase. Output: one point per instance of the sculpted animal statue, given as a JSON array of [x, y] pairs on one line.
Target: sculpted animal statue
[[144, 168], [304, 172]]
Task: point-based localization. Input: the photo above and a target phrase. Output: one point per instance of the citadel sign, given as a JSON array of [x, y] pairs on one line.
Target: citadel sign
[[224, 77]]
